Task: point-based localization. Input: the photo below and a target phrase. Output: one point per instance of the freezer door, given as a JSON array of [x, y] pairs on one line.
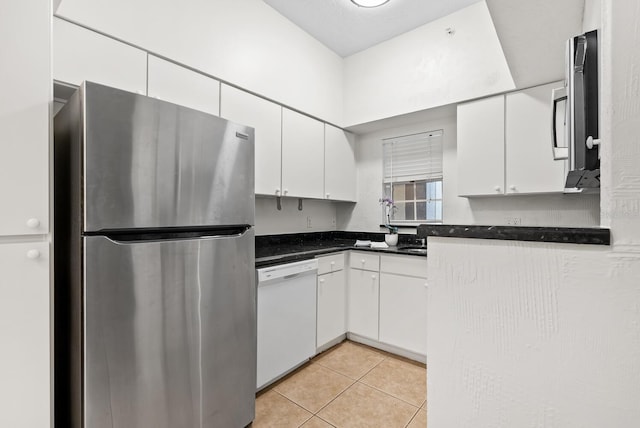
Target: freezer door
[[170, 333], [152, 164]]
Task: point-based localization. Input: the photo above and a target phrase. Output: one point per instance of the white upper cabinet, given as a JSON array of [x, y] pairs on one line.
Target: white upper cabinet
[[24, 117], [24, 329], [529, 161], [302, 156], [170, 82], [266, 118], [504, 145], [339, 165], [481, 147], [80, 54]]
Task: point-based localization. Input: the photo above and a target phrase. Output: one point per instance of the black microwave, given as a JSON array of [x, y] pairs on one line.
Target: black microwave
[[581, 114]]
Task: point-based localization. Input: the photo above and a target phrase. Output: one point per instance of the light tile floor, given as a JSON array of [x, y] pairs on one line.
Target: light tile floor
[[350, 385]]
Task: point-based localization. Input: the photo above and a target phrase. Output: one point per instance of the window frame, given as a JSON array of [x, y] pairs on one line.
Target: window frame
[[391, 181]]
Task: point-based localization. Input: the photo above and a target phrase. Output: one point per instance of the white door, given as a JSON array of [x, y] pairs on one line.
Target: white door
[[339, 165], [302, 156], [363, 303], [266, 118], [24, 116], [481, 147], [179, 85], [331, 307], [403, 312], [24, 329], [529, 160]]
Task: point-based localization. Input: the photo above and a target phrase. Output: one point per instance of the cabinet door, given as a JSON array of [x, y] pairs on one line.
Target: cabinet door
[[266, 118], [530, 164], [339, 165], [24, 116], [80, 54], [332, 298], [481, 147], [403, 312], [24, 329], [170, 82], [363, 303], [302, 156]]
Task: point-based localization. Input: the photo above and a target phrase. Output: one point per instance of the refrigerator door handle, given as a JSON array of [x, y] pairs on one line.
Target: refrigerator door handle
[[137, 236]]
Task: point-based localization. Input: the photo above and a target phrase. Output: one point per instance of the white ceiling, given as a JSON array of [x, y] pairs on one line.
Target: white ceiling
[[346, 28]]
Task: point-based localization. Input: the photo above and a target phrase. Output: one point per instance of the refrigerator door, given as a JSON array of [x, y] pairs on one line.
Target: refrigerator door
[[170, 332], [153, 164]]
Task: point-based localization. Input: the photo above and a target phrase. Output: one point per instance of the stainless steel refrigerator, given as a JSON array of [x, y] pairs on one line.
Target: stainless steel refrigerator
[[155, 305]]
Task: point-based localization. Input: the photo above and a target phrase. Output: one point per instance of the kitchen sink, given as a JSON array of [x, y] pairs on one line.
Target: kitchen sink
[[413, 249]]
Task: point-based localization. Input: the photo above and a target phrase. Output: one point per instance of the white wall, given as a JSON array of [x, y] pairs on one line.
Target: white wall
[[366, 215], [426, 68], [243, 42], [271, 221], [534, 210], [547, 335]]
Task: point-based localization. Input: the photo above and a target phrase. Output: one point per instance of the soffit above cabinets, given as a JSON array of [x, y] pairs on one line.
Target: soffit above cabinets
[[346, 28], [533, 36]]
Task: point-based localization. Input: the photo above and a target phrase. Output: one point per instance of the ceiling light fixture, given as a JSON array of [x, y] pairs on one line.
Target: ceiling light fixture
[[369, 3]]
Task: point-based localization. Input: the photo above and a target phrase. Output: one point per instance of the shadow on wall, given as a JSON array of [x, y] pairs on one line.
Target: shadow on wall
[[316, 216], [537, 210]]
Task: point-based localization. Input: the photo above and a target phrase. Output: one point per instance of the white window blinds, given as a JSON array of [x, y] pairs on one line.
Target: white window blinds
[[413, 157]]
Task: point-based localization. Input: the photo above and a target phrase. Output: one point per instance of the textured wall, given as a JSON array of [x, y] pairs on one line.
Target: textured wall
[[532, 335], [548, 335]]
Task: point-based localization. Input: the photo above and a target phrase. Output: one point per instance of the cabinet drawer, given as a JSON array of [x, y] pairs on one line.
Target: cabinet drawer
[[404, 265], [332, 263], [364, 261]]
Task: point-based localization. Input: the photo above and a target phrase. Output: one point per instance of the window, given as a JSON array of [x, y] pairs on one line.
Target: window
[[413, 177]]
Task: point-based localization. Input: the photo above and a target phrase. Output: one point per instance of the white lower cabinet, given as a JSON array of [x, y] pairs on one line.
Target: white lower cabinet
[[332, 296], [403, 314], [403, 302], [363, 300], [24, 329]]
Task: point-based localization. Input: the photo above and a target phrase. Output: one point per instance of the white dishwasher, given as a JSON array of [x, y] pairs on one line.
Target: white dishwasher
[[286, 318]]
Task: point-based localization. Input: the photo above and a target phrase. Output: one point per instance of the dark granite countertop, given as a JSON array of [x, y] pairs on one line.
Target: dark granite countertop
[[564, 235], [278, 249]]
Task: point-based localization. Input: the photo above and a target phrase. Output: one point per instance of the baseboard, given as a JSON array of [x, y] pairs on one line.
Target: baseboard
[[388, 348]]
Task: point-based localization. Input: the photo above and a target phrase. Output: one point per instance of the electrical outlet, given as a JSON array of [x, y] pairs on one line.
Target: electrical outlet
[[309, 222], [514, 221]]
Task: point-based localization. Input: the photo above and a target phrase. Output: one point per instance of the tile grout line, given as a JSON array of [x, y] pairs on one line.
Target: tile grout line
[[391, 395], [298, 405], [412, 418], [384, 357], [332, 400]]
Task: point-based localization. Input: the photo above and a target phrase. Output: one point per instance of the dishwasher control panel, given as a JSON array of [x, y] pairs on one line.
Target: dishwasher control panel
[[286, 270]]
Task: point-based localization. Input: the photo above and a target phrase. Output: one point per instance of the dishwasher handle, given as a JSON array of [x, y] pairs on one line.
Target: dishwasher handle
[[287, 271], [295, 275]]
